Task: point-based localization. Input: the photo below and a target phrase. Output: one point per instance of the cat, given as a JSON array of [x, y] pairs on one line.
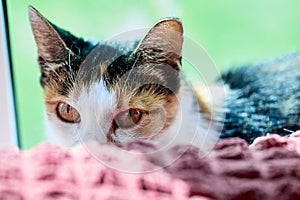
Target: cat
[[114, 91]]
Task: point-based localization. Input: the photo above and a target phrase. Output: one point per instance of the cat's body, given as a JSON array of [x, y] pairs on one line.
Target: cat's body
[[116, 92], [264, 98]]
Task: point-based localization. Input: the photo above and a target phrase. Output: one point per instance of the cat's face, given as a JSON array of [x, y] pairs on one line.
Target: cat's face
[[109, 91]]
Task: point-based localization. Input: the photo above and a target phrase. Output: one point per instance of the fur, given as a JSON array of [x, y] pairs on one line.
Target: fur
[[105, 79]]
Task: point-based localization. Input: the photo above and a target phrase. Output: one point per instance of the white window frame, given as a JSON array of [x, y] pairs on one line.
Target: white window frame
[[8, 122]]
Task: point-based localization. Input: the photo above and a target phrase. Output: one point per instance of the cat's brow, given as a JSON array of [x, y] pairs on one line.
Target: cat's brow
[[54, 71]]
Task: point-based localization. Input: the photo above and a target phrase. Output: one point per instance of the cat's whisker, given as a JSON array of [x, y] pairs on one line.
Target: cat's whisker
[[69, 64]]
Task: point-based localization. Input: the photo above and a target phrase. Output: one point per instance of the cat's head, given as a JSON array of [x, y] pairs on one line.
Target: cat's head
[[109, 91]]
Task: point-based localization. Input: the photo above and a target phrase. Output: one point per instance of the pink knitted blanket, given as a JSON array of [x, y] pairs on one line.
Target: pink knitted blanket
[[267, 169]]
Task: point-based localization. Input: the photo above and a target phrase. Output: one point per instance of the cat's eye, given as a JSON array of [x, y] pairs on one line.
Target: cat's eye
[[67, 113], [128, 118]]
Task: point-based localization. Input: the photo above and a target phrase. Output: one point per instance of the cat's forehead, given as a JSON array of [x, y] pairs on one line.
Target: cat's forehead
[[105, 62]]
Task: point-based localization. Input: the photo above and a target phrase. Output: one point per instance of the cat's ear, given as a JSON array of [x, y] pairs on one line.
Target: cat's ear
[[163, 42], [51, 47]]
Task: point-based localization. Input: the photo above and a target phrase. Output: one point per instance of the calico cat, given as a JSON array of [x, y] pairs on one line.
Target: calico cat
[[118, 91]]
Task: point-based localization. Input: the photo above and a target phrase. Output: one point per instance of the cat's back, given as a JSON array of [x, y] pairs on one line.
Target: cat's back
[[263, 98], [284, 70]]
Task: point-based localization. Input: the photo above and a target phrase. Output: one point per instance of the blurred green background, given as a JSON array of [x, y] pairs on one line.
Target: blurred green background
[[233, 32]]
